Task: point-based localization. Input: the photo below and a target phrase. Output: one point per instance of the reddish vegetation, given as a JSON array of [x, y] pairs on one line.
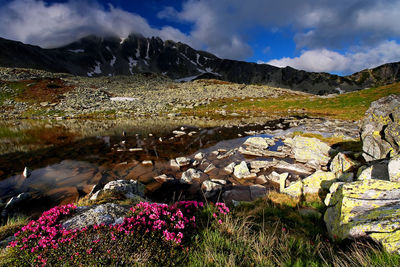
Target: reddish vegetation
[[53, 136], [44, 90]]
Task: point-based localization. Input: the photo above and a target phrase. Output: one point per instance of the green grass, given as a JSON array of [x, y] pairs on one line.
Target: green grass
[[267, 232], [12, 225], [349, 106], [17, 88], [6, 132], [264, 233]]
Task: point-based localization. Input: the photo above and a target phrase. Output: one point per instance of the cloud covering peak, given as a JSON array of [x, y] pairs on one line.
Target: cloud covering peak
[[327, 35]]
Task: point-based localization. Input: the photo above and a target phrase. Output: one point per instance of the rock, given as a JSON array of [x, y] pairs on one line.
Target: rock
[[108, 213], [379, 170], [394, 169], [4, 243], [163, 178], [183, 161], [257, 143], [251, 151], [178, 133], [366, 208], [274, 177], [295, 167], [346, 177], [229, 168], [14, 201], [380, 128], [313, 184], [342, 163], [129, 188], [241, 170], [199, 156], [211, 188], [210, 168], [244, 193], [261, 180], [193, 175], [26, 173], [307, 149], [44, 104], [147, 163], [261, 164], [282, 181], [174, 165]]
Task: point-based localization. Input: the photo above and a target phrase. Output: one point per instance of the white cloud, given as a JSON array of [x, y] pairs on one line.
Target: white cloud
[[324, 60], [51, 25], [317, 24], [223, 27]]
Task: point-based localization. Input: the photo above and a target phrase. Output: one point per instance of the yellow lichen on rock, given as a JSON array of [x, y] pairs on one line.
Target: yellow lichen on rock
[[365, 208], [314, 183]]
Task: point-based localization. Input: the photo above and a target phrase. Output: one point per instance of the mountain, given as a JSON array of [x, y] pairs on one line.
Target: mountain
[[97, 56]]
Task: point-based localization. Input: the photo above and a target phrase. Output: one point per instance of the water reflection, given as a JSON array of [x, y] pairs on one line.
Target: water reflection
[[67, 168]]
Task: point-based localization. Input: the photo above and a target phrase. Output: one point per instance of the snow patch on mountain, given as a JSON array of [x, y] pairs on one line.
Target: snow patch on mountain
[[112, 62], [76, 50], [96, 69], [147, 52], [132, 63]]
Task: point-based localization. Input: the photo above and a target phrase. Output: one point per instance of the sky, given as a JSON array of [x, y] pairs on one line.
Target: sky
[[341, 36]]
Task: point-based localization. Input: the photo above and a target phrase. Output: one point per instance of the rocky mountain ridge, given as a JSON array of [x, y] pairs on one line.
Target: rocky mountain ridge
[[97, 56]]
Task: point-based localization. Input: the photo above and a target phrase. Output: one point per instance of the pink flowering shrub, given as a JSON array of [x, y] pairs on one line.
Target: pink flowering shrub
[[151, 233]]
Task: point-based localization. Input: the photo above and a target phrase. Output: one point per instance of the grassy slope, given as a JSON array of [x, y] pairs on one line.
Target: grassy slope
[[349, 106]]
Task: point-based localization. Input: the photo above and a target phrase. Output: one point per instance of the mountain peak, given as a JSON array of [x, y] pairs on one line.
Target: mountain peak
[[108, 56]]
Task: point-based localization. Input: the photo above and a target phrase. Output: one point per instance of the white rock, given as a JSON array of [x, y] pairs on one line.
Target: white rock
[[394, 169], [174, 165], [241, 170], [183, 161], [210, 168], [229, 168], [199, 156]]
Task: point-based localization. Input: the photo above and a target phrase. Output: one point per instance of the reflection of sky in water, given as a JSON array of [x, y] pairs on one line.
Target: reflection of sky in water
[[67, 173]]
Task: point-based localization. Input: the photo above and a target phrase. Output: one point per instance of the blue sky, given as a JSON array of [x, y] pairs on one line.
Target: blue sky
[[342, 36]]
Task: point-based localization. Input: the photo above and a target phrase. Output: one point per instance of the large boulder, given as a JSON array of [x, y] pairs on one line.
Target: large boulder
[[380, 128], [310, 150], [108, 213], [244, 193], [313, 184], [341, 163], [378, 170], [365, 208]]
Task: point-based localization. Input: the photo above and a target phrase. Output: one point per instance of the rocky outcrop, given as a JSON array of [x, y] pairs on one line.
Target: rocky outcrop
[[310, 150], [313, 184], [377, 170], [342, 163], [128, 188], [365, 208], [380, 129], [107, 214]]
